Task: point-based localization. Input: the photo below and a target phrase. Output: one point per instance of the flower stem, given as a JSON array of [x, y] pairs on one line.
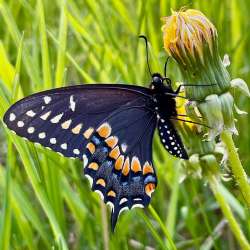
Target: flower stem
[[236, 166], [214, 184]]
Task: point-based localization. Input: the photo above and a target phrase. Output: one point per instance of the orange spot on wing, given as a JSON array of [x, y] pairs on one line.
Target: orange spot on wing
[[126, 168], [111, 193], [101, 182], [104, 130], [149, 189], [115, 152], [135, 164], [93, 165], [147, 169], [88, 133], [119, 162], [111, 141], [91, 147]]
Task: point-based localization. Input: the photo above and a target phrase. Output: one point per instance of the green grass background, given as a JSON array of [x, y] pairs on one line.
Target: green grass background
[[45, 202]]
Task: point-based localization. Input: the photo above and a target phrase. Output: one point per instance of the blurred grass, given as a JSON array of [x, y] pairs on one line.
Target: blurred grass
[[45, 201]]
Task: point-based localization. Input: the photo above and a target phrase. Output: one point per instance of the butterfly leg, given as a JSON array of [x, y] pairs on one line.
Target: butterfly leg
[[177, 119], [177, 91]]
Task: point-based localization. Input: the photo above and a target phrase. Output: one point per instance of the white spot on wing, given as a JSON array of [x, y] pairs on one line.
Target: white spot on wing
[[90, 179], [12, 117], [45, 116], [20, 124], [123, 200], [52, 140], [138, 205], [30, 113], [57, 118], [85, 160], [76, 151], [31, 130], [66, 124], [72, 103], [137, 199], [76, 130], [64, 146], [47, 99], [124, 147], [42, 135], [100, 194], [111, 205]]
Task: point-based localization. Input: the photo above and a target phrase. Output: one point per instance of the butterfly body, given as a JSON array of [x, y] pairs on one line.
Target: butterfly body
[[163, 97], [110, 128]]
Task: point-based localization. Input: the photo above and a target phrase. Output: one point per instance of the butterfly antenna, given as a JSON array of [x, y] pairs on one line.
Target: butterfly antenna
[[165, 67], [146, 43]]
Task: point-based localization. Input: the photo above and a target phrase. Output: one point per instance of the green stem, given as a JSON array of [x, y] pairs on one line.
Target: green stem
[[162, 226], [173, 202], [105, 230], [214, 184], [236, 166]]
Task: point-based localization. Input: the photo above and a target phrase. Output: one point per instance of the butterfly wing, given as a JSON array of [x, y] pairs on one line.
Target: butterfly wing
[[63, 119], [170, 139], [118, 160], [110, 127]]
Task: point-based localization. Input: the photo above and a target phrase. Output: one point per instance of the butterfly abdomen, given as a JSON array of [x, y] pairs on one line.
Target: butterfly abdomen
[[165, 107]]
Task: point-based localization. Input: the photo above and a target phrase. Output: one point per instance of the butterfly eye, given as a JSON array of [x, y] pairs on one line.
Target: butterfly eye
[[157, 80]]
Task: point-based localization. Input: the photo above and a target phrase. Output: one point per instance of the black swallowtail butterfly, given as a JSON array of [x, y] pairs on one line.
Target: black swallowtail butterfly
[[108, 126]]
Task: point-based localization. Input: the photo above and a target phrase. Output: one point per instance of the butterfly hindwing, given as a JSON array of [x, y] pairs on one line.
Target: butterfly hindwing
[[118, 160], [170, 139], [63, 119]]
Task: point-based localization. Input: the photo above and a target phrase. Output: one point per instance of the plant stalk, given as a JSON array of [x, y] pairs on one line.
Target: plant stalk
[[236, 166], [105, 230], [234, 226], [162, 226]]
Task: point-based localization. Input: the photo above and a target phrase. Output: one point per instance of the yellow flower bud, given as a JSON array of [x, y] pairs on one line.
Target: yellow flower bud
[[185, 32], [191, 39]]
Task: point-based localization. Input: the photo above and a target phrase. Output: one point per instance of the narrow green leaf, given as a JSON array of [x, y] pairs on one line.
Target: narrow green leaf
[[44, 47], [60, 68]]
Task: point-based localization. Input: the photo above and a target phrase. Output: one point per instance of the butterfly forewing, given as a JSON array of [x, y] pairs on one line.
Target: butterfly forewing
[[63, 119]]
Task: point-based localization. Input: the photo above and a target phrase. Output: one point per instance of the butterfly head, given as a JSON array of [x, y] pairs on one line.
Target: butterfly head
[[158, 82]]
